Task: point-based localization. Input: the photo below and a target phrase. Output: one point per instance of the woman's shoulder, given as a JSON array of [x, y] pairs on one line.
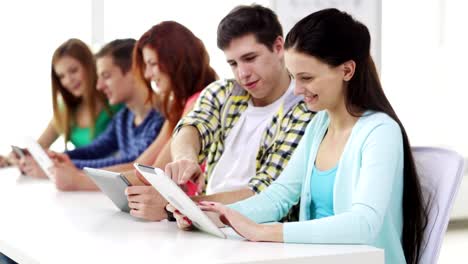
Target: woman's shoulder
[[193, 98], [377, 124], [375, 118], [368, 119]]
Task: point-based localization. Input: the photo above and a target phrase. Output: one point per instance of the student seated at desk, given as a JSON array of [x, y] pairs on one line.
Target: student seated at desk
[[353, 170], [179, 71], [245, 128], [132, 129], [81, 113]]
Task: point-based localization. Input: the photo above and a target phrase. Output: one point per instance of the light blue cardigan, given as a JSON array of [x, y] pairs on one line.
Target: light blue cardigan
[[367, 195]]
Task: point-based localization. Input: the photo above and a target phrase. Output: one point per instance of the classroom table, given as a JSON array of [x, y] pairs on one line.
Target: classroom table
[[39, 224]]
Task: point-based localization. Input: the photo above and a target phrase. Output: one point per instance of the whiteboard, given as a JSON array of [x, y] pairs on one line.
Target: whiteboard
[[368, 12]]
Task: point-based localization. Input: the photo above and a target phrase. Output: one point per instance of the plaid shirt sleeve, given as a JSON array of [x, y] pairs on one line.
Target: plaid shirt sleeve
[[206, 115], [275, 159]]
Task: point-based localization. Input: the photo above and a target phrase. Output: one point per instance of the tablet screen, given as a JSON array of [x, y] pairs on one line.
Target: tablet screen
[[174, 195], [113, 184], [40, 156]]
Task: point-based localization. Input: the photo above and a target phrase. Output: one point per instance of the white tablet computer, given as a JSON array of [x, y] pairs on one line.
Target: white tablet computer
[[40, 156], [174, 195], [113, 184], [18, 151]]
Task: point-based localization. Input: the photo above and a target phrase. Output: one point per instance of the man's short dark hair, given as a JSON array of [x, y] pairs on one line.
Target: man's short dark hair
[[121, 52], [253, 19]]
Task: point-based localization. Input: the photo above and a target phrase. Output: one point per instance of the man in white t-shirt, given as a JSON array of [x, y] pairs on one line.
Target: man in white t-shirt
[[244, 130]]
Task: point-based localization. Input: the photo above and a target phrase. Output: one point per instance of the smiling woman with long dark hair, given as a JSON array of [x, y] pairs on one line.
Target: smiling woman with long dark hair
[[353, 170]]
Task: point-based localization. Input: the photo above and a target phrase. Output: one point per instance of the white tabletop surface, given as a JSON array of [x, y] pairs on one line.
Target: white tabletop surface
[[39, 224]]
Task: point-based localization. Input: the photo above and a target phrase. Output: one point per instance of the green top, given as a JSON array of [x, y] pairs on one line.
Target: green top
[[81, 136]]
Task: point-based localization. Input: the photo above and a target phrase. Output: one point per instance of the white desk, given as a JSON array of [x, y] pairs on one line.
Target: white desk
[[39, 224]]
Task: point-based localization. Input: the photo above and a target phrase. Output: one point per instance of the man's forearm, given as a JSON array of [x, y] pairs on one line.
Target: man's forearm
[[186, 144], [120, 167], [132, 177], [76, 182], [226, 197], [86, 184]]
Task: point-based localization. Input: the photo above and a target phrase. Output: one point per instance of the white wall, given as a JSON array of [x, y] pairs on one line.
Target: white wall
[[423, 56], [366, 11], [29, 38], [30, 32], [126, 19]]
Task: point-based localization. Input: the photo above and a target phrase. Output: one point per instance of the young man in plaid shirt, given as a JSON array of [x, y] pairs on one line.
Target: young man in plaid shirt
[[244, 129]]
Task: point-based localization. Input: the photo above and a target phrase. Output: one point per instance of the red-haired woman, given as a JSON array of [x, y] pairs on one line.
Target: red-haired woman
[[178, 65]]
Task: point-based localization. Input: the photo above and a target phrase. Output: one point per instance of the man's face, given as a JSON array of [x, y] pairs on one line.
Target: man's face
[[118, 87], [256, 68]]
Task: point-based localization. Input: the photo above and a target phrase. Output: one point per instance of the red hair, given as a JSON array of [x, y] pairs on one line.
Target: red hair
[[183, 57]]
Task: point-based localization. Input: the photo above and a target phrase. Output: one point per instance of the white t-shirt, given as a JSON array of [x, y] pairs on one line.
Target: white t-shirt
[[237, 164]]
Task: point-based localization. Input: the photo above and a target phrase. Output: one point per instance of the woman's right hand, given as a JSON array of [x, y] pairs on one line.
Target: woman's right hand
[[222, 216]]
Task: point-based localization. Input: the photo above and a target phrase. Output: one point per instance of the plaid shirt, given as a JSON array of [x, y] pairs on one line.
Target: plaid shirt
[[215, 113]]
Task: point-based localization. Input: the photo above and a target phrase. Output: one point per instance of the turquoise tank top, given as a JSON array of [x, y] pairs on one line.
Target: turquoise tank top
[[321, 185]]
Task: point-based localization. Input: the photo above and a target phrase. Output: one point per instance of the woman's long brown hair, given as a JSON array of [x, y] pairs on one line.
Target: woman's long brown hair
[[65, 104], [335, 37], [183, 57]]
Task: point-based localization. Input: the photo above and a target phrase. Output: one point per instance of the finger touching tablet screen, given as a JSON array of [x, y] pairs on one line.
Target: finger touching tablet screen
[[179, 199]]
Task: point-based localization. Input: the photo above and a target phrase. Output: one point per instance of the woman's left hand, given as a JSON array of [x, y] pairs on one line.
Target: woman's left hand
[[241, 224], [221, 213]]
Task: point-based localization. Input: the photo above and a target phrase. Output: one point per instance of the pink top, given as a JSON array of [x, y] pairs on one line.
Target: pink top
[[191, 100], [191, 187]]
